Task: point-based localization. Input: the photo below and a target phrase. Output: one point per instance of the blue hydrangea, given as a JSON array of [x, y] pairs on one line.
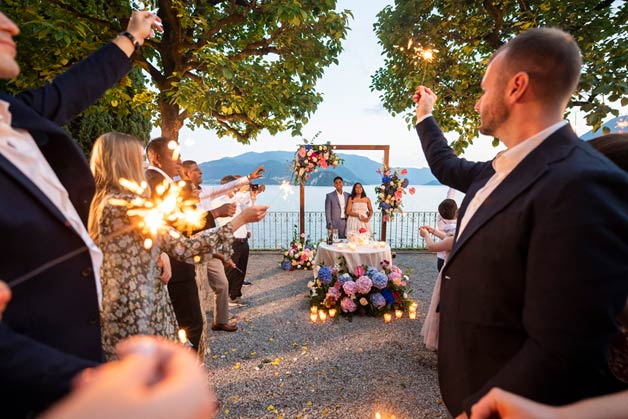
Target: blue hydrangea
[[324, 275], [344, 278], [384, 205], [370, 271], [286, 265], [378, 300], [385, 179], [380, 280], [388, 296]]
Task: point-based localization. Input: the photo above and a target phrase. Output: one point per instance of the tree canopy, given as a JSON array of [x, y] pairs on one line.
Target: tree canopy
[[462, 37], [232, 66]]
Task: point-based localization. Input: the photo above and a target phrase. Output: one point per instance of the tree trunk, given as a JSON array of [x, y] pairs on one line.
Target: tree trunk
[[171, 120]]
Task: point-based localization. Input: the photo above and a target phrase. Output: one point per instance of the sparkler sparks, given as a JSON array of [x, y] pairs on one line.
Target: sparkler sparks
[[286, 189], [169, 209]]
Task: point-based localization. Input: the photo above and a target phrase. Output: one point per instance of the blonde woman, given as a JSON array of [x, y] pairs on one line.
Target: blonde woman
[[135, 300]]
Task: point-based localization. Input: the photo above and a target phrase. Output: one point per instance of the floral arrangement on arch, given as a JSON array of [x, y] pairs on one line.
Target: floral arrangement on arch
[[300, 254], [367, 290], [390, 192], [309, 157]]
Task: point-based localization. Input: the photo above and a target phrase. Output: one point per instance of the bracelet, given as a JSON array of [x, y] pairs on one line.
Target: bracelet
[[134, 41]]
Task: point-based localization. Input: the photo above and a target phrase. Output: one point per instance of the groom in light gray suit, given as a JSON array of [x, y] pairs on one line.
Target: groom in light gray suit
[[336, 208]]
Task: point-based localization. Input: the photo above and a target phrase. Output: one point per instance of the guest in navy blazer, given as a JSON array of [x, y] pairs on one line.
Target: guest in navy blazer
[[50, 330], [538, 269]]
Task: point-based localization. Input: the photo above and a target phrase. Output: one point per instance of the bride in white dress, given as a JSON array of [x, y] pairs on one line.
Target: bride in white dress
[[359, 211]]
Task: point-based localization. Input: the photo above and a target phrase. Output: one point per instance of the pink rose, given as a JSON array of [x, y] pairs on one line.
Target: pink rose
[[412, 190], [404, 172], [301, 152], [323, 163], [359, 270]]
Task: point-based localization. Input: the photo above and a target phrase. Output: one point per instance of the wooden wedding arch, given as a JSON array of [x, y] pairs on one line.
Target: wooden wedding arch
[[384, 148]]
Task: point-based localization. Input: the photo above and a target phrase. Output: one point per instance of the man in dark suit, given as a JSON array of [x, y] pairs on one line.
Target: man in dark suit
[[336, 208], [538, 270], [50, 330]]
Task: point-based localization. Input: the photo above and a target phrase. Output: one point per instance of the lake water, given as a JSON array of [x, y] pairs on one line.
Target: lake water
[[276, 230], [426, 198]]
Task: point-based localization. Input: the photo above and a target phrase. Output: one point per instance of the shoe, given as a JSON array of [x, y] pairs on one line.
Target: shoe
[[246, 283], [237, 303], [224, 327]]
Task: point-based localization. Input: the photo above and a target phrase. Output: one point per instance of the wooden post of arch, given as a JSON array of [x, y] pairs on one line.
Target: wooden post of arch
[[385, 148]]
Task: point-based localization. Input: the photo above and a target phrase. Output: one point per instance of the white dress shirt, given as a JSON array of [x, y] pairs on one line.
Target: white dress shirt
[[242, 200], [209, 192], [21, 150], [504, 163], [341, 200]]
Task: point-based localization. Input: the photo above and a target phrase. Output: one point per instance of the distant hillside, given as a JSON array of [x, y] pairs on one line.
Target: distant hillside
[[618, 124], [278, 165]]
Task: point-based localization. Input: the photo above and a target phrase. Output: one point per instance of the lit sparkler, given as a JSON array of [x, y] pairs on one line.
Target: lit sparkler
[[169, 209], [420, 54]]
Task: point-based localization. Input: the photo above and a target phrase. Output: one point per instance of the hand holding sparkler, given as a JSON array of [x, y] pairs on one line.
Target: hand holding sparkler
[[5, 297], [425, 99], [251, 214], [225, 210], [142, 25]]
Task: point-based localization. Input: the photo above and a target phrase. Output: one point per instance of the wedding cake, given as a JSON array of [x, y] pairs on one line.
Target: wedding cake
[[360, 239]]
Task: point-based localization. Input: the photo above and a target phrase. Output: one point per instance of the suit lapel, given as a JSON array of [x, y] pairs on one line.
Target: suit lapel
[[533, 166], [7, 167]]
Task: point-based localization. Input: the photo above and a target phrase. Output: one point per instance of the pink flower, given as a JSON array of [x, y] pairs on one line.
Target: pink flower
[[348, 305], [412, 190], [333, 293], [385, 217], [364, 284], [323, 163], [359, 270], [398, 195], [337, 285], [349, 288], [404, 172], [378, 171], [301, 152], [362, 230]]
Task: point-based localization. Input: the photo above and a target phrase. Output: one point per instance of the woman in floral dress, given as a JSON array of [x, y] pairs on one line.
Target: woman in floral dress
[[135, 300]]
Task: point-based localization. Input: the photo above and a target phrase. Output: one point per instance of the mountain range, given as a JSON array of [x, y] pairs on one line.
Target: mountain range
[[278, 165]]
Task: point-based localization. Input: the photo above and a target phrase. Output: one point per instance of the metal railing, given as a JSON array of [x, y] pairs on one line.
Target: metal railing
[[277, 229]]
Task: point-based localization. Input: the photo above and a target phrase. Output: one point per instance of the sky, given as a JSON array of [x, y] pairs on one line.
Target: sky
[[350, 113]]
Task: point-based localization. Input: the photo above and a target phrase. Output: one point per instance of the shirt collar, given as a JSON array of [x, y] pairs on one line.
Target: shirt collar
[[157, 169], [508, 159], [5, 115]]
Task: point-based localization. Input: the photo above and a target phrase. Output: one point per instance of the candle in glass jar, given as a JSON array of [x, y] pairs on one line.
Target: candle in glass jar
[[313, 317], [412, 315], [314, 309], [398, 314], [387, 317], [332, 312], [322, 315]]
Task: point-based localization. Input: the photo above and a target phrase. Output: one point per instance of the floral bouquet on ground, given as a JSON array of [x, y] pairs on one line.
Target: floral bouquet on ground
[[390, 192], [367, 290], [309, 157], [300, 254]]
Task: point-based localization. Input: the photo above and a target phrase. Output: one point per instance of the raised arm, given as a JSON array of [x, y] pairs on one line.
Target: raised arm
[[84, 83], [448, 168]]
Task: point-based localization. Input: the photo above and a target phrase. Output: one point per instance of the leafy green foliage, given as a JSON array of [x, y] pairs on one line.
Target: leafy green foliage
[[233, 66], [465, 34]]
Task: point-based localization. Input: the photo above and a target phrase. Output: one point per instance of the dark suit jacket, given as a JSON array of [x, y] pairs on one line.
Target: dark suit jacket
[[51, 329], [332, 209], [531, 288]]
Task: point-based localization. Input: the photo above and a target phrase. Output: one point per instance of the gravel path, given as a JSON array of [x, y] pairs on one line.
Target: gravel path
[[279, 365]]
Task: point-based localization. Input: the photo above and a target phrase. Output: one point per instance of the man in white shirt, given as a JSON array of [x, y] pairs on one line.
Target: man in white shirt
[[51, 330], [538, 270]]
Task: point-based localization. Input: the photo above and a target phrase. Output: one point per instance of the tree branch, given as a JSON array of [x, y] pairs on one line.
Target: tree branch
[[82, 16], [497, 14]]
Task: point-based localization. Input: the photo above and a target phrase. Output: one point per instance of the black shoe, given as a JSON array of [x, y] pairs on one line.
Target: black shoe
[[246, 283]]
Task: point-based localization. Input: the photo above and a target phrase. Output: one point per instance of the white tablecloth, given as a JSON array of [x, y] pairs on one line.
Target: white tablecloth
[[362, 255]]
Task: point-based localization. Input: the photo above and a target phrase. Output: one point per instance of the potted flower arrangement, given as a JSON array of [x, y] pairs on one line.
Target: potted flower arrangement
[[389, 194], [367, 290], [300, 254], [309, 157]]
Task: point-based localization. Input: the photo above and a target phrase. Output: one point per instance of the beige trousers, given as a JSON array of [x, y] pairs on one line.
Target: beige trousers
[[212, 273]]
